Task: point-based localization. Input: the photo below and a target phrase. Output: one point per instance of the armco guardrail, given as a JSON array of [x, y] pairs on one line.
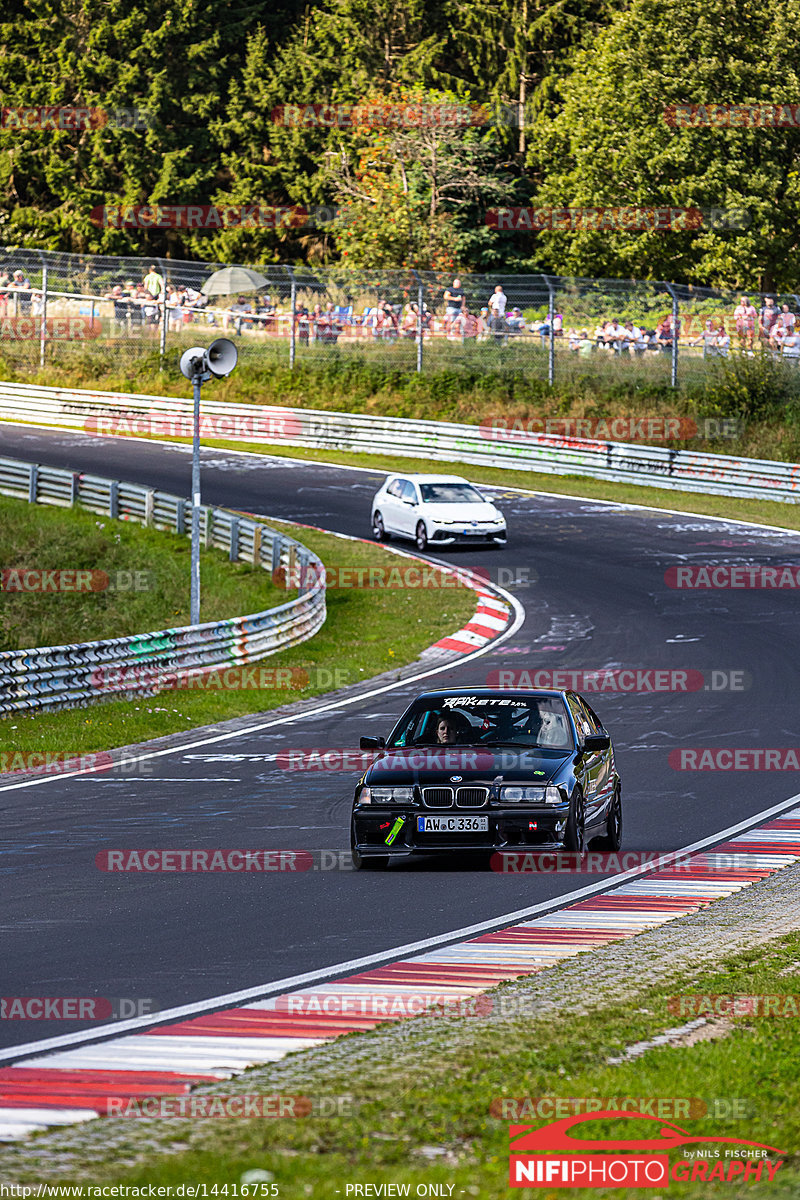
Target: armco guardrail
[[75, 675], [622, 462]]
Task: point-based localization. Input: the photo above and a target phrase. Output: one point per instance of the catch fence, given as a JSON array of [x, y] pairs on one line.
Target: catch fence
[[64, 310]]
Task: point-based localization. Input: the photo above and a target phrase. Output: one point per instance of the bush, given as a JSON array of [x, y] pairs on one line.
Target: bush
[[753, 389]]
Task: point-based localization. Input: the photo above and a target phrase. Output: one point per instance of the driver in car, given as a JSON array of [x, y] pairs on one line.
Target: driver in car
[[447, 730]]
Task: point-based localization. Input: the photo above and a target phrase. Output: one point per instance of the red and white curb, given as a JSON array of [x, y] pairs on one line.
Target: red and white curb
[[71, 1086], [491, 619]]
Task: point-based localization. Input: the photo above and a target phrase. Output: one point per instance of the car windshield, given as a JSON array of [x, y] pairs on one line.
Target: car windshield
[[450, 493], [465, 720]]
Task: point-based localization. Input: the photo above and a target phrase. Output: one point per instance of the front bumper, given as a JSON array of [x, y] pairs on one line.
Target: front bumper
[[508, 828], [448, 537]]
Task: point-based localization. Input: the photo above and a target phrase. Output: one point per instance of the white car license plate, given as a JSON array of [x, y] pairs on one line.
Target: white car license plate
[[452, 824]]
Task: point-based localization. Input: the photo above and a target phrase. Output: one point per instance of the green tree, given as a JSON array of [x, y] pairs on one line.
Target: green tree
[[175, 60], [605, 142]]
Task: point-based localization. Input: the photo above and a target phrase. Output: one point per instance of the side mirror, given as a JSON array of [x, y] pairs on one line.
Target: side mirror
[[372, 743], [596, 741]]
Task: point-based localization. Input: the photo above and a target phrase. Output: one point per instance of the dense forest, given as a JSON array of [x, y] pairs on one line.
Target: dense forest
[[570, 104]]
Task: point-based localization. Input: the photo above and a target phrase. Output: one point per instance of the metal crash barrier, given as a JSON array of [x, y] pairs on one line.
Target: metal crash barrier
[[144, 664], [110, 413]]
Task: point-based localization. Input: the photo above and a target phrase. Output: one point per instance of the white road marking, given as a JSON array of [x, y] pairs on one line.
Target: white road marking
[[352, 966]]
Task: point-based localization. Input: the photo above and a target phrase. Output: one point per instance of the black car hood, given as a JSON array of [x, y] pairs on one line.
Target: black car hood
[[440, 765]]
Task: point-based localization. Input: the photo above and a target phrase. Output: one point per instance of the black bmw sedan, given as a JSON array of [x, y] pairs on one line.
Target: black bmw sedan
[[486, 769]]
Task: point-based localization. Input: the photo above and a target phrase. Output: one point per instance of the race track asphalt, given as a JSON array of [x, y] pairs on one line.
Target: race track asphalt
[[597, 598]]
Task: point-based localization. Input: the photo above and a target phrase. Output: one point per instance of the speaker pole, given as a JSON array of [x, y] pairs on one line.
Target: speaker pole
[[194, 616], [199, 365]]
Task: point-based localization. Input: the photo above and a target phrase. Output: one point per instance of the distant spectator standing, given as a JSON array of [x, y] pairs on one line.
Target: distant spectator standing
[[497, 303], [766, 319], [454, 303], [745, 316], [497, 314], [20, 287], [153, 282], [121, 308]]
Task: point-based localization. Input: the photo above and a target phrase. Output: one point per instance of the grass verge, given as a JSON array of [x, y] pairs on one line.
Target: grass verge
[[367, 631], [422, 1097], [136, 582]]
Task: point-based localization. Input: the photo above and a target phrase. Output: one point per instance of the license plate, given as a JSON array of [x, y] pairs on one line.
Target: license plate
[[452, 824]]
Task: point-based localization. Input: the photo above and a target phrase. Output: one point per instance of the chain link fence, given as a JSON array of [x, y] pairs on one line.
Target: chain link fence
[[67, 309]]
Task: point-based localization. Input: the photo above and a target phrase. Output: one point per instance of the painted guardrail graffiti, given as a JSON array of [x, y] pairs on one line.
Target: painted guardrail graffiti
[[493, 445]]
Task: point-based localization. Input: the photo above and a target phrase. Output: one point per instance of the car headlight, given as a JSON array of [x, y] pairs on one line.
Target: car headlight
[[531, 795], [386, 795]]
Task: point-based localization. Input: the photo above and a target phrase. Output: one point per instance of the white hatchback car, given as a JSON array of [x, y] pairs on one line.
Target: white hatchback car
[[440, 509]]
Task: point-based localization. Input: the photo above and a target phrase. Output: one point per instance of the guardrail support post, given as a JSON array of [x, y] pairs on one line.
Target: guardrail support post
[[194, 596], [163, 339], [74, 488], [420, 326], [551, 348], [33, 480], [257, 532], [180, 517], [293, 330], [674, 365], [43, 329], [149, 505], [113, 499], [234, 552]]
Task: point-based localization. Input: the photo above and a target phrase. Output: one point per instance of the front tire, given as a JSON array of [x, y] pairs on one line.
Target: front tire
[[575, 833], [378, 530], [613, 838], [421, 536]]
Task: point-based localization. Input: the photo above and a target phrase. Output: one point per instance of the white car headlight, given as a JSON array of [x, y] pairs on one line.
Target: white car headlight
[[386, 795], [531, 795]]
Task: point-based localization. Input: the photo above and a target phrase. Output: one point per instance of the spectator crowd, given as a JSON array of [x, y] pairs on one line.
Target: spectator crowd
[[136, 306]]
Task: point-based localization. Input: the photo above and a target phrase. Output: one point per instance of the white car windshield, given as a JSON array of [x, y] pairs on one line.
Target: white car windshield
[[450, 493]]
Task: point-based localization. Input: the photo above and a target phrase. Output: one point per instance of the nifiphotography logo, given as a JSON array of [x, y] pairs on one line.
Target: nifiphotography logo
[[549, 1157]]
